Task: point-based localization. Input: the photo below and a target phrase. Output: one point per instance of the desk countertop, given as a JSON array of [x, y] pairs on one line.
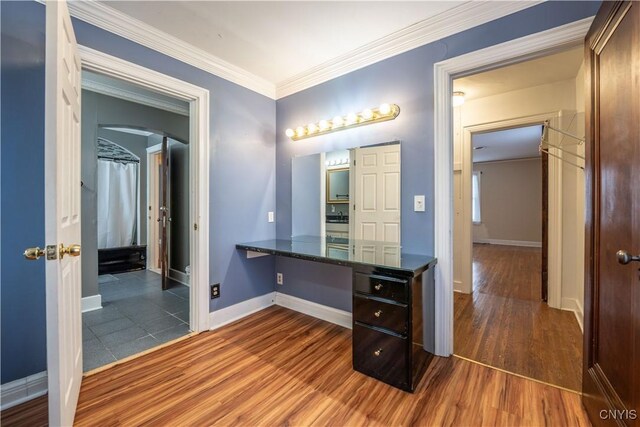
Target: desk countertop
[[348, 252]]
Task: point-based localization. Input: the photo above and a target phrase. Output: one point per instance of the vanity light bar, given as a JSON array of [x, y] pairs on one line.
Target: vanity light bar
[[369, 116]]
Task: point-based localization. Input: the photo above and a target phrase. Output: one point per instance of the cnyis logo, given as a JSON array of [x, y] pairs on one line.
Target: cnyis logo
[[617, 414]]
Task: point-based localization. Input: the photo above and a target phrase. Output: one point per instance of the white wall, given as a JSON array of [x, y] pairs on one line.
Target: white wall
[[573, 190], [564, 96], [510, 202]]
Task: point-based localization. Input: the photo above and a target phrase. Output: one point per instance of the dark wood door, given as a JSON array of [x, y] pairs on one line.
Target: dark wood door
[[164, 215], [611, 381]]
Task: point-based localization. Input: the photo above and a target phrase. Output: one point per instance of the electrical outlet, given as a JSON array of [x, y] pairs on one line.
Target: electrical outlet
[[279, 279], [271, 217], [215, 290], [418, 203]]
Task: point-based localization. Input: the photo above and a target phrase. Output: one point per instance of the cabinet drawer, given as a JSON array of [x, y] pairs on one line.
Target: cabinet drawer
[[381, 314], [382, 286], [380, 355]]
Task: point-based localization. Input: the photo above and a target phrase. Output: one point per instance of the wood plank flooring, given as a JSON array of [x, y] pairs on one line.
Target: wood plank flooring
[[504, 324], [279, 367]]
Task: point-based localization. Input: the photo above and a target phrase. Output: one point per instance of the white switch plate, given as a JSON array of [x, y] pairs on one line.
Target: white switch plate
[[279, 278], [271, 217], [418, 203]]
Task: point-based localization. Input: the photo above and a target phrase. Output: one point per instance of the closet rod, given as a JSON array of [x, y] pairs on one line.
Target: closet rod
[[548, 126], [543, 150], [547, 146], [114, 159]]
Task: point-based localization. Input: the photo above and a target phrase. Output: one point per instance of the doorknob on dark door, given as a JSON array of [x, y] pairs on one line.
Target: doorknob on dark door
[[624, 257]]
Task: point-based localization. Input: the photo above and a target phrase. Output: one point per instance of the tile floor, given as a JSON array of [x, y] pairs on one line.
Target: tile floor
[[136, 315]]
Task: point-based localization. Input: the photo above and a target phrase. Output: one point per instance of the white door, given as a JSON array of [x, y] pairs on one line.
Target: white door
[[62, 213], [376, 209]]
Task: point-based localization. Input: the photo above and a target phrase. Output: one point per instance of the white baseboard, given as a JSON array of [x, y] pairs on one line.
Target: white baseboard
[[523, 243], [572, 304], [23, 390], [323, 312], [235, 312], [179, 276], [91, 303]]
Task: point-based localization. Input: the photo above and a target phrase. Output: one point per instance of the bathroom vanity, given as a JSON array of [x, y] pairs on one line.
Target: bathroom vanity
[[393, 302]]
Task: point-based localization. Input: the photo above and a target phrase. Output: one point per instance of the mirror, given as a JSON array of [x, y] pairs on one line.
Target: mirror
[[338, 185], [348, 194]]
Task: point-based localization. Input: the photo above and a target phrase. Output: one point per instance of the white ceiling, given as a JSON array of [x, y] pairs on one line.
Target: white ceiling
[[517, 143], [547, 69], [277, 40]]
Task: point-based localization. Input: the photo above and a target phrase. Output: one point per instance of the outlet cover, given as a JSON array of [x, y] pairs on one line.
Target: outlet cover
[[215, 291], [271, 217], [279, 279]]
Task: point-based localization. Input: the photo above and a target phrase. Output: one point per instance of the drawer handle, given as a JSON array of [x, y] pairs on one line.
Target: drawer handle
[[378, 286], [378, 313], [378, 352]]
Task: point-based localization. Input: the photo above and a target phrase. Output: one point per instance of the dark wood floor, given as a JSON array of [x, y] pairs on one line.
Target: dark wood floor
[[504, 323], [279, 367]]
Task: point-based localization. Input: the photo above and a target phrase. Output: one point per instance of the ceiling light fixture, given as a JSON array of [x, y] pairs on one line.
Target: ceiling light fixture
[[368, 116], [458, 98]]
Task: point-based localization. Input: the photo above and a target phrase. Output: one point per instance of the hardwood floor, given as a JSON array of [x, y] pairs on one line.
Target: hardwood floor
[[279, 367], [504, 324]]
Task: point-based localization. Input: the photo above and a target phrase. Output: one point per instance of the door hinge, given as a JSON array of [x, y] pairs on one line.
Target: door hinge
[[195, 226]]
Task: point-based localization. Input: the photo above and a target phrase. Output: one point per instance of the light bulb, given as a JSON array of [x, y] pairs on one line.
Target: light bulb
[[312, 128], [352, 118], [323, 125], [337, 122], [384, 109], [367, 114], [289, 132], [300, 131], [458, 99]]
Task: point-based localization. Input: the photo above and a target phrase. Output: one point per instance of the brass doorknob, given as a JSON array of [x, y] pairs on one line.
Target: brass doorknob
[[33, 253], [71, 250]]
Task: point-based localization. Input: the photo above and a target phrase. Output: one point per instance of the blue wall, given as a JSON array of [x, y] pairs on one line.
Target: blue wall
[[22, 190], [242, 185], [407, 80]]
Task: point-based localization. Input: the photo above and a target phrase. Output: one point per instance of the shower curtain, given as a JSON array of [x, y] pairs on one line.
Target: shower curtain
[[117, 203]]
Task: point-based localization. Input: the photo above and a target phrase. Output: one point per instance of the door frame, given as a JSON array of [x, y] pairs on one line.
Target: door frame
[[198, 99], [554, 189], [152, 198], [518, 50]]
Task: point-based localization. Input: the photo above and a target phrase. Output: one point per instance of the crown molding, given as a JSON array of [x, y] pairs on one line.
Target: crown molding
[[116, 22], [127, 95], [452, 21]]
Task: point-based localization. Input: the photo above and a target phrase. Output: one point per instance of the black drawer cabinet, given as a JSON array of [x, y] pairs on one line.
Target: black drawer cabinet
[[381, 355], [373, 312], [388, 326], [388, 287]]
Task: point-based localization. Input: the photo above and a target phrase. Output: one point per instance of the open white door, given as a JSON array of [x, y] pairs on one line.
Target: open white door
[[376, 211], [62, 213]]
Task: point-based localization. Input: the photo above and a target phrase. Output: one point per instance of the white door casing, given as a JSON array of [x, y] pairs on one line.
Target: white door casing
[[376, 208], [62, 214], [528, 47]]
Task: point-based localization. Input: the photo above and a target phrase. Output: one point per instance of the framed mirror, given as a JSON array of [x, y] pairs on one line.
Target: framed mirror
[[338, 185]]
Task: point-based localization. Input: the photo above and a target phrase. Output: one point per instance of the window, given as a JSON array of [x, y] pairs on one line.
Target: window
[[475, 197]]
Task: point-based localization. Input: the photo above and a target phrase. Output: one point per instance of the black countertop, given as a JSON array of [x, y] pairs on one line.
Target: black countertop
[[348, 252]]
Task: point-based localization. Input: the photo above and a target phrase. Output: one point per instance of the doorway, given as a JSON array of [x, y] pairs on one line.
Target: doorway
[[518, 216], [139, 308]]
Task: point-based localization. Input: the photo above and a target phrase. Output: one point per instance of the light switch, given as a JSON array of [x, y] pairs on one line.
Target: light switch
[[418, 203], [271, 217]]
